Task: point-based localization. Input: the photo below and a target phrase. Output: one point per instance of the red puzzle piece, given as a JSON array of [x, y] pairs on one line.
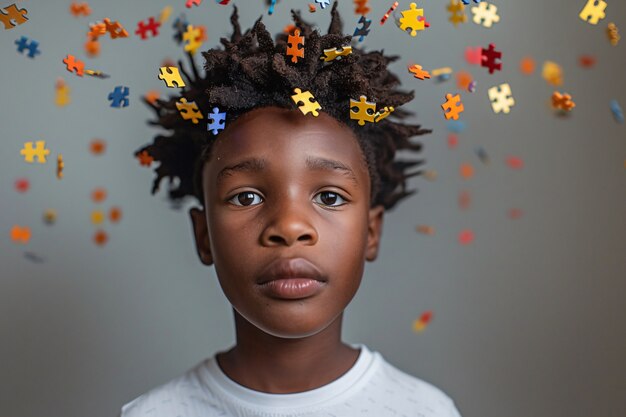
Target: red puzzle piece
[[489, 57]]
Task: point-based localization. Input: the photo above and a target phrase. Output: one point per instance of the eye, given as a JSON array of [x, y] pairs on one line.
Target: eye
[[244, 197], [333, 198]]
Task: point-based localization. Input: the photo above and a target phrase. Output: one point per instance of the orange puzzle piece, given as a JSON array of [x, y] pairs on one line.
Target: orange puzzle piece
[[294, 40]]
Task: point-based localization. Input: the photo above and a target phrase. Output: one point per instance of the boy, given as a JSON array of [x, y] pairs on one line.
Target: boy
[[292, 207]]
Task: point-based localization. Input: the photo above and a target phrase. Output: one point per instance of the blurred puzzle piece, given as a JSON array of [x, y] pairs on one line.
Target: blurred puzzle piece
[[309, 104], [11, 16], [39, 151]]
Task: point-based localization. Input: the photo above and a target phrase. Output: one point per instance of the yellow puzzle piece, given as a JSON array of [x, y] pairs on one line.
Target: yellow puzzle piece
[[171, 76], [366, 110]]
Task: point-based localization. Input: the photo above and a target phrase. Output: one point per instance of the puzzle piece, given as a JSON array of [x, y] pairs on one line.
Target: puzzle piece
[[361, 7], [613, 34], [593, 11], [418, 72], [190, 3], [20, 234], [189, 111], [293, 41], [391, 9], [179, 26], [336, 53], [171, 76], [272, 5], [616, 109], [364, 30], [562, 101], [144, 28], [62, 97], [485, 14], [366, 110], [468, 1], [474, 55], [74, 65], [22, 44], [119, 96], [145, 159], [11, 16], [60, 166], [218, 120], [501, 98], [115, 29], [452, 107], [38, 151], [457, 12], [382, 114], [80, 9], [323, 3], [552, 73], [192, 37], [309, 104], [410, 19], [489, 57]]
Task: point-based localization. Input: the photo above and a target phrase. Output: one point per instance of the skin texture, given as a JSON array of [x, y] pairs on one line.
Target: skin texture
[[287, 211]]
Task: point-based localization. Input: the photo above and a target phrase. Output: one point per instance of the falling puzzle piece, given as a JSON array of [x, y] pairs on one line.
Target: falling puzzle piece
[[552, 73], [612, 32], [190, 3], [501, 98], [361, 7], [382, 114], [189, 111], [60, 166], [38, 151], [366, 110], [617, 111], [192, 37], [453, 106], [171, 76], [32, 46], [145, 159], [218, 121], [80, 9], [62, 97], [410, 19], [562, 101], [489, 58], [74, 65], [391, 9], [152, 26], [119, 96], [593, 11], [20, 234], [323, 3], [418, 72], [309, 104], [485, 14], [11, 16], [336, 53], [457, 12], [294, 41], [364, 29]]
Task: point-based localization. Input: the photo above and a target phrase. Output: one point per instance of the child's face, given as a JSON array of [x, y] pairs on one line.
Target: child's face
[[286, 210]]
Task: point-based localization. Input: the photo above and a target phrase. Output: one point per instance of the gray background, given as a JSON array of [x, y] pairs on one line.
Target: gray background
[[529, 320]]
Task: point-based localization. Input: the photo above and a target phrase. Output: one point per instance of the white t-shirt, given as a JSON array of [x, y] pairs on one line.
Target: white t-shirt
[[372, 387]]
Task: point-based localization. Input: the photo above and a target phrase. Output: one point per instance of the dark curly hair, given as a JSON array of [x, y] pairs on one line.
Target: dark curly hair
[[252, 72]]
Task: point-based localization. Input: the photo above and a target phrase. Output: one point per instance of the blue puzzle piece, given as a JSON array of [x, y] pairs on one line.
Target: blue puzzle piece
[[362, 31], [468, 1], [180, 27], [271, 10], [23, 43], [456, 126], [218, 120], [618, 114], [119, 97], [323, 3]]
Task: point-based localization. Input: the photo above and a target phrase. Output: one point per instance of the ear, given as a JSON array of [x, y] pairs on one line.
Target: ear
[[201, 233], [374, 232]]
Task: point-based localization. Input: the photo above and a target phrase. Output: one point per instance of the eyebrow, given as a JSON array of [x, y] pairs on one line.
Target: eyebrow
[[312, 163]]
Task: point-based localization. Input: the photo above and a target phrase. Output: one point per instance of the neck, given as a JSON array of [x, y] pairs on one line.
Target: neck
[[271, 364]]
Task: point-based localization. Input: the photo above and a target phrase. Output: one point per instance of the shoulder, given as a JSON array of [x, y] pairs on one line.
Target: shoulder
[[415, 394], [181, 396]]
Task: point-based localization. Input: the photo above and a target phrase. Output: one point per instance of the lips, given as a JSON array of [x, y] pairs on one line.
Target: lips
[[285, 268]]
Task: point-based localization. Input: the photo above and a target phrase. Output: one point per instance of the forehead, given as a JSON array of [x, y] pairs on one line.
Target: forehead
[[286, 138]]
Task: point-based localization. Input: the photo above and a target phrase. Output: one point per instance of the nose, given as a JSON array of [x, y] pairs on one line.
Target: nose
[[290, 223]]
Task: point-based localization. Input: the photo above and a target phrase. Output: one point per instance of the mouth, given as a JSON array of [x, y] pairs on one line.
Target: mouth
[[292, 288], [288, 269]]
